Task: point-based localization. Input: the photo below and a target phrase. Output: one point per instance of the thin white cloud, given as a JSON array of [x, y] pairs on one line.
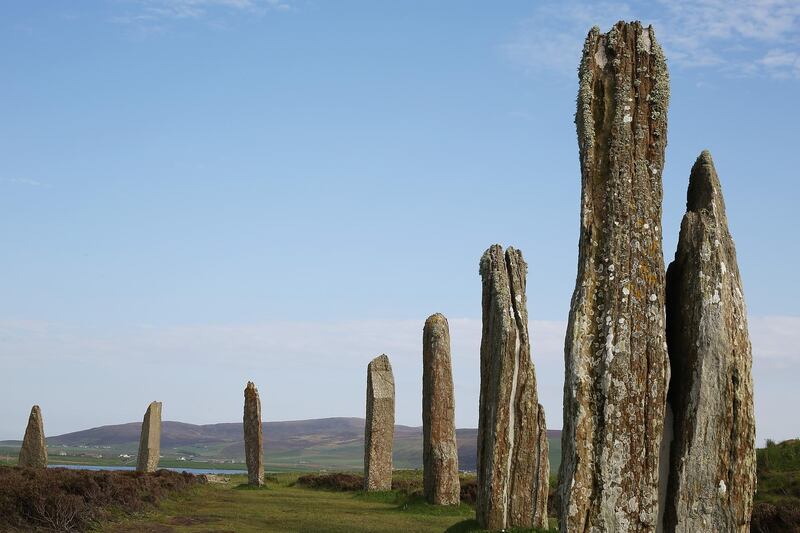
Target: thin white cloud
[[737, 37], [153, 16], [304, 369], [22, 181]]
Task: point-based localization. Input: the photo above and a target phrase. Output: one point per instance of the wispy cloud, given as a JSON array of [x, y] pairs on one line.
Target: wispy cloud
[[737, 37], [22, 181], [174, 362], [153, 16]]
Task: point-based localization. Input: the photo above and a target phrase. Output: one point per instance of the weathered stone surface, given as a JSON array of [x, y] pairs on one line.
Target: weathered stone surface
[[379, 429], [541, 485], [253, 437], [439, 449], [509, 427], [616, 365], [150, 439], [713, 462], [33, 453]]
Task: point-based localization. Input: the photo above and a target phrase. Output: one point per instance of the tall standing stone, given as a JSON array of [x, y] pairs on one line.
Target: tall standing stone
[[253, 437], [33, 452], [150, 439], [379, 428], [510, 461], [713, 461], [439, 449], [616, 366]]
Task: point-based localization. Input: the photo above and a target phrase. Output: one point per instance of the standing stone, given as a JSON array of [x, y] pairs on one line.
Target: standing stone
[[440, 452], [509, 427], [379, 429], [33, 453], [541, 484], [616, 365], [150, 439], [713, 460], [253, 437]]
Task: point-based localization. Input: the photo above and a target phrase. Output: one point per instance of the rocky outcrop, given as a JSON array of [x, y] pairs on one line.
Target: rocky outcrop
[[33, 452], [712, 474], [616, 365], [439, 450], [150, 439], [253, 436], [379, 429], [509, 426]]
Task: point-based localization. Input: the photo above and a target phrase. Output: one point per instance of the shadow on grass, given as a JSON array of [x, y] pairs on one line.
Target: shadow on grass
[[413, 503], [248, 486], [464, 526], [472, 526]]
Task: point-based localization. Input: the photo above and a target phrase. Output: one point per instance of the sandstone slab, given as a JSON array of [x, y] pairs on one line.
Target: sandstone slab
[[150, 439], [439, 449], [509, 428], [33, 452], [712, 474], [253, 436], [616, 364], [379, 428]]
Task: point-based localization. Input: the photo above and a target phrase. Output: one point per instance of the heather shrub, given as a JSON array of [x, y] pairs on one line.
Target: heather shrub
[[73, 500]]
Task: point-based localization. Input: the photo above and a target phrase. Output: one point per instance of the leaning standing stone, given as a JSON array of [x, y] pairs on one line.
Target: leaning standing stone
[[253, 437], [616, 362], [379, 428], [33, 453], [509, 427], [150, 439], [440, 453], [713, 461]]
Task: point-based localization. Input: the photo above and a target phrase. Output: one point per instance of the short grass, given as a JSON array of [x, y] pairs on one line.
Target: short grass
[[779, 473], [281, 506]]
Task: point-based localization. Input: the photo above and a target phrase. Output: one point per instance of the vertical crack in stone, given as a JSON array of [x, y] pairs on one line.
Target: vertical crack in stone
[[712, 474], [509, 429], [253, 436], [440, 452], [616, 366], [150, 439], [33, 452], [379, 427]]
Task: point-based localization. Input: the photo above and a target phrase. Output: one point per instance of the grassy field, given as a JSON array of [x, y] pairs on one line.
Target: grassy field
[[281, 506]]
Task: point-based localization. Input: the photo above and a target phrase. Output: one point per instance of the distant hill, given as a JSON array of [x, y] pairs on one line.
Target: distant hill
[[321, 443]]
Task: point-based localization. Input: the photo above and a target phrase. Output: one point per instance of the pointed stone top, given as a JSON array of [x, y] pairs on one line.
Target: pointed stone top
[[705, 192], [251, 385], [381, 363], [154, 405], [36, 410]]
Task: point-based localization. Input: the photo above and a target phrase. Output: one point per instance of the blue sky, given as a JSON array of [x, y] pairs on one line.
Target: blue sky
[[194, 193]]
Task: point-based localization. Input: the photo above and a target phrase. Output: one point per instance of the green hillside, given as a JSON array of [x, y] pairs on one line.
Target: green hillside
[[301, 445]]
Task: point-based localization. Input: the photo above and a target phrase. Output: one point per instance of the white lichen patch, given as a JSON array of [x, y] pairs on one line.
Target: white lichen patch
[[600, 58], [644, 44]]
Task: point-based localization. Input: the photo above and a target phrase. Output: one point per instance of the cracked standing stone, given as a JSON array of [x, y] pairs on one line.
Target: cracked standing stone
[[511, 458]]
